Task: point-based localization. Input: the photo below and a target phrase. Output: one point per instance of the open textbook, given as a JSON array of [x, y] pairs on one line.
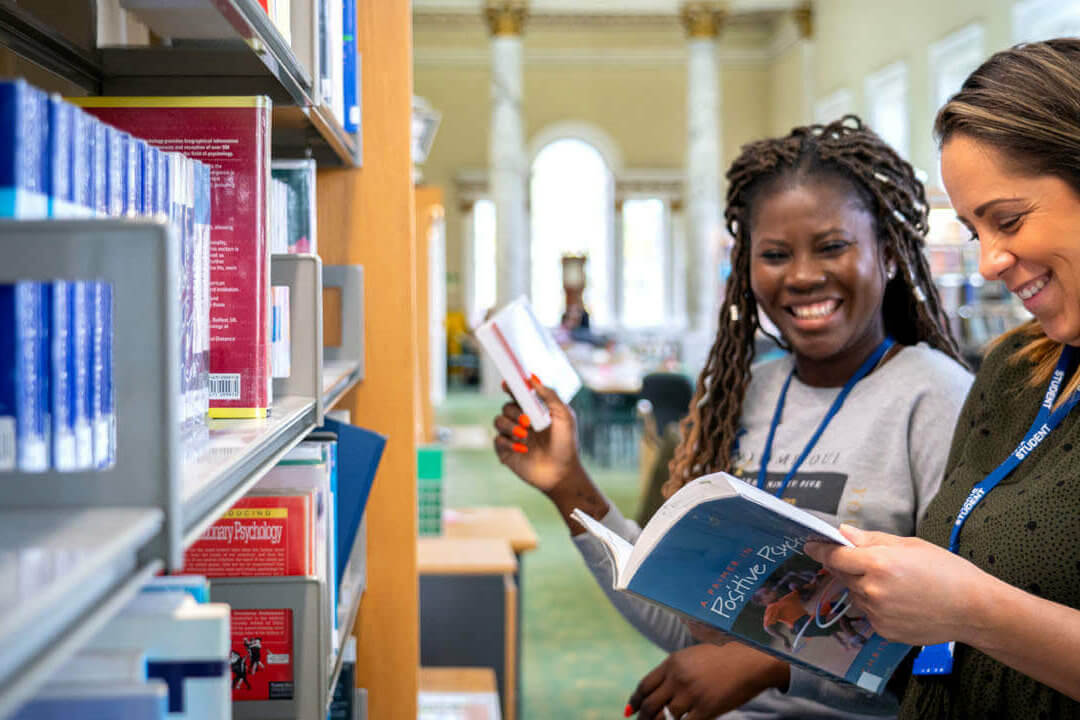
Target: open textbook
[[520, 347], [728, 555]]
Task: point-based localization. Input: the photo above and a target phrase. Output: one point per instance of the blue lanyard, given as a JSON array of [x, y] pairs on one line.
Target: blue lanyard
[[938, 659], [863, 371], [1044, 423]]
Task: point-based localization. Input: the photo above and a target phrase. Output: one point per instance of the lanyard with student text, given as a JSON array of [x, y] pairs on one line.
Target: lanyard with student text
[[869, 364], [938, 659]]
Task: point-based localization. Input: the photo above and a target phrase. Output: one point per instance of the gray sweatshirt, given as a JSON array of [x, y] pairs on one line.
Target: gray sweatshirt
[[876, 466]]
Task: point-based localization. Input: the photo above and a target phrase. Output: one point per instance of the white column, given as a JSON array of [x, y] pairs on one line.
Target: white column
[[804, 24], [618, 266], [679, 273], [468, 262], [508, 164], [703, 199]]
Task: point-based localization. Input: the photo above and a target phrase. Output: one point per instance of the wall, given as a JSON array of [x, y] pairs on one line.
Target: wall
[[628, 83], [854, 38]]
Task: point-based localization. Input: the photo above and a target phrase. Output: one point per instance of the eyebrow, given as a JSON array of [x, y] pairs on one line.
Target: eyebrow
[[981, 210]]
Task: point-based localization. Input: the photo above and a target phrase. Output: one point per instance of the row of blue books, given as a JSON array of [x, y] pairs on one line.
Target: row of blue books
[[56, 394]]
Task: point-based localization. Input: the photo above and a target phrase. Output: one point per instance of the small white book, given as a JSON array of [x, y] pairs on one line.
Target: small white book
[[723, 553], [521, 347]]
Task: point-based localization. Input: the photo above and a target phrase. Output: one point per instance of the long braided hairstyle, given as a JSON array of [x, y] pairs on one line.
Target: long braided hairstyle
[[912, 310]]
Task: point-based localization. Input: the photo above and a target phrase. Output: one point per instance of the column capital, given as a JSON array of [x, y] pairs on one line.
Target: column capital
[[703, 18], [804, 20], [506, 17]]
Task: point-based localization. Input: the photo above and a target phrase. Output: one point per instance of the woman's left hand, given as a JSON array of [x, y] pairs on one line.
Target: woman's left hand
[[910, 590]]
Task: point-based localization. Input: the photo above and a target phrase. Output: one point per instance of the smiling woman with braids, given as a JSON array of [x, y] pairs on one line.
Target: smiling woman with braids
[[829, 224]]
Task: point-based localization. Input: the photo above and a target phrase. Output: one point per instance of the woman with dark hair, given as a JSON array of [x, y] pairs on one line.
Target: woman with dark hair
[[991, 587], [828, 225]]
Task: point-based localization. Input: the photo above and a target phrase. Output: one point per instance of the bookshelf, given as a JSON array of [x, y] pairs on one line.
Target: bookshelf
[[136, 519]]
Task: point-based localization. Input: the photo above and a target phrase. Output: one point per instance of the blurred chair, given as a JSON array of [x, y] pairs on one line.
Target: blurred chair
[[665, 400]]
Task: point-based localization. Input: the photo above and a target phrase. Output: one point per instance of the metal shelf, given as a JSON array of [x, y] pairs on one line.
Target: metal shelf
[[338, 379], [64, 573], [237, 455], [242, 53]]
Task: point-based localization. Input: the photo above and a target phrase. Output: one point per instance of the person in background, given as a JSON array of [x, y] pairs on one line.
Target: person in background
[[828, 225]]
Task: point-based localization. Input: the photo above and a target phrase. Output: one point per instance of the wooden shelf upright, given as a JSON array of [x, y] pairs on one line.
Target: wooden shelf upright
[[366, 217]]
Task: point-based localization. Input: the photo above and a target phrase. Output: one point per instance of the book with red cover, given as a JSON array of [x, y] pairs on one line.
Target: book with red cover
[[232, 136], [261, 654], [260, 536]]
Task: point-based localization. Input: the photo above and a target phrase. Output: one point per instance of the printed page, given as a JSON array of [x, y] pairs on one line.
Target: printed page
[[789, 511], [617, 547]]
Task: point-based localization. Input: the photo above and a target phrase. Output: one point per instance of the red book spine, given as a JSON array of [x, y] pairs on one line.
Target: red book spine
[[232, 136], [260, 536]]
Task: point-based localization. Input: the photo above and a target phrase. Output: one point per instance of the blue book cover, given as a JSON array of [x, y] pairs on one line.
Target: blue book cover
[[728, 555], [24, 127], [58, 160], [102, 422], [146, 179], [61, 369], [98, 168], [358, 454], [196, 586], [80, 319], [351, 69], [24, 379], [98, 701], [131, 181], [114, 172], [82, 160]]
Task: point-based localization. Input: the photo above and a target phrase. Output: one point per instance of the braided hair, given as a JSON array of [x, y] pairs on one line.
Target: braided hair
[[912, 310]]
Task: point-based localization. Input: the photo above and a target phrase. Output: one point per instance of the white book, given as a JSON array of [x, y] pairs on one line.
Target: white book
[[521, 347]]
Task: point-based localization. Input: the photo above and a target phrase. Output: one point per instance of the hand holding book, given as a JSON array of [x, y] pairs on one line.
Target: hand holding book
[[548, 460]]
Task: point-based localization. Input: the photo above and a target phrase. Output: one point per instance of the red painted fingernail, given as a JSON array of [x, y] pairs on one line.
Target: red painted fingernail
[[524, 421], [535, 380], [519, 448], [628, 711], [520, 432]]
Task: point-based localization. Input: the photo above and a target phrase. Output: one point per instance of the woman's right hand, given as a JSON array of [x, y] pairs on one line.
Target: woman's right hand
[[547, 460]]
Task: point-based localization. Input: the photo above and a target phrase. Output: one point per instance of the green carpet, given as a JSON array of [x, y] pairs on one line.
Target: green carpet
[[580, 659]]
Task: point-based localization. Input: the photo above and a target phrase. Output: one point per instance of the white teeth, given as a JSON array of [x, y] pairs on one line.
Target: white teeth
[[1029, 291], [817, 310]]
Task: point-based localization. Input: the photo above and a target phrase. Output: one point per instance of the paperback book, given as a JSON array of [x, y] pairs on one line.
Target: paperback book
[[261, 656], [725, 554], [521, 347], [262, 535]]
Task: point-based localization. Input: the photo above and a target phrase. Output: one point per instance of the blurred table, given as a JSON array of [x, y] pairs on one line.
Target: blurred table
[[458, 693], [469, 609]]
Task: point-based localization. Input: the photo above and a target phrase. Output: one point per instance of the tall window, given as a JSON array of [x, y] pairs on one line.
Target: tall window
[[644, 263], [483, 258], [952, 60], [1035, 20], [571, 211], [887, 105]]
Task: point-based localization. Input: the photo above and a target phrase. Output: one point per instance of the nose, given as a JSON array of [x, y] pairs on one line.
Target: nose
[[805, 273], [994, 259]]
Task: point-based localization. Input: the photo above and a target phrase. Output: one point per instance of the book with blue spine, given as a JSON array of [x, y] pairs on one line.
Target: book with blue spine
[[59, 158], [62, 403], [201, 288], [24, 377], [98, 701], [727, 555], [99, 168], [81, 294], [24, 125], [351, 69], [82, 161], [114, 172]]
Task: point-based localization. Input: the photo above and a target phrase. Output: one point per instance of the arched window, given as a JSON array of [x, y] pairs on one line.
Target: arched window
[[571, 212]]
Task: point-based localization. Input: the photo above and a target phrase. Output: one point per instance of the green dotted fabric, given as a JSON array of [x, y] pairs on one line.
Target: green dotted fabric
[[1026, 532]]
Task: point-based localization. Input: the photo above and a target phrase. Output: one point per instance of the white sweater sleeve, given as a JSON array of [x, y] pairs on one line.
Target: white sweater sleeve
[[664, 629]]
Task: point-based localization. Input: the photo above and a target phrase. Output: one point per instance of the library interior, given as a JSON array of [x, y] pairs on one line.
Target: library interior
[[422, 310]]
